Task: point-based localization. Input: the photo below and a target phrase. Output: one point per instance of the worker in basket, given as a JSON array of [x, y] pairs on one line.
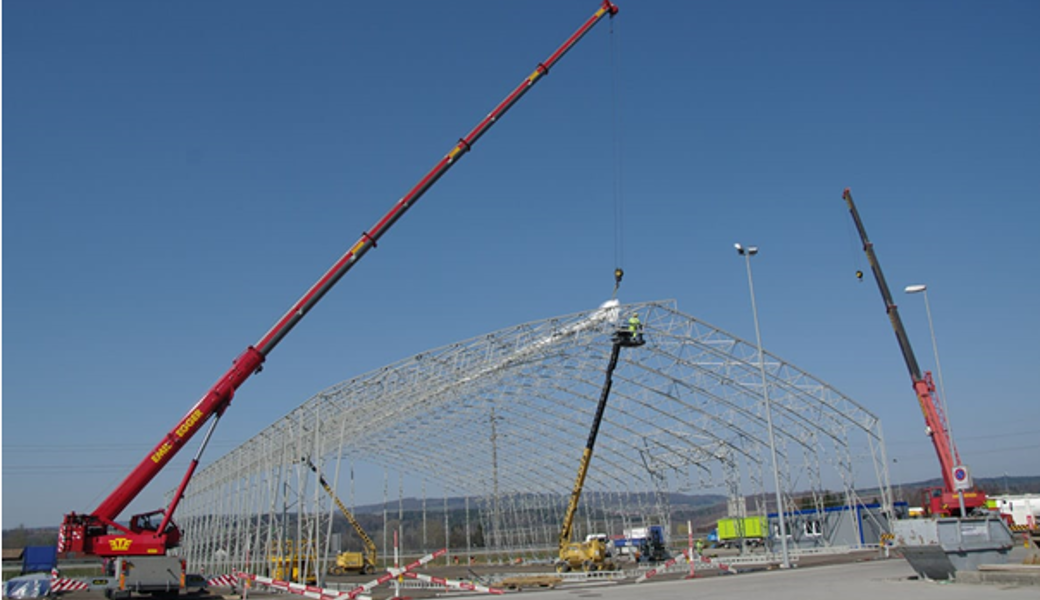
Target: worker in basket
[[635, 327]]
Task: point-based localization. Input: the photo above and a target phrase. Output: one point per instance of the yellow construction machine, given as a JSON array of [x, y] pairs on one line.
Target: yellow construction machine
[[594, 553], [349, 562], [292, 561]]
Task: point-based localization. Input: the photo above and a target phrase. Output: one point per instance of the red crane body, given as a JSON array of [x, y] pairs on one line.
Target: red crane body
[[942, 501], [89, 533]]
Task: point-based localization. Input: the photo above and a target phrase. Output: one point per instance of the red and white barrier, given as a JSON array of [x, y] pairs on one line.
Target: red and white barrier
[[701, 561], [393, 572], [310, 591], [663, 567], [64, 584], [709, 562], [228, 581], [456, 584], [319, 593]]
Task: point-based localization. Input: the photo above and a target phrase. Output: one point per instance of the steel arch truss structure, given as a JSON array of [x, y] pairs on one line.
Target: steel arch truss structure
[[501, 420]]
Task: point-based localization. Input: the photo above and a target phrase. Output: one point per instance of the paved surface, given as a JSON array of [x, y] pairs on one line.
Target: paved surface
[[874, 580], [891, 579]]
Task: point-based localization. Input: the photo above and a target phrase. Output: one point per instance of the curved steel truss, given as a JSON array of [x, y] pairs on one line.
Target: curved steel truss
[[500, 421]]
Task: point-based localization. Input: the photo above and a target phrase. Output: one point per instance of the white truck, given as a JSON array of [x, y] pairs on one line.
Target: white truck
[[1020, 512]]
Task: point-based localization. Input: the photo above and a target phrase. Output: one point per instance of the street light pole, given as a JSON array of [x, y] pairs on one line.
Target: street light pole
[[923, 290], [747, 253]]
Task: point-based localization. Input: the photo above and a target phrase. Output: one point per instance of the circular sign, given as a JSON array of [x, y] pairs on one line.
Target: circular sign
[[961, 478]]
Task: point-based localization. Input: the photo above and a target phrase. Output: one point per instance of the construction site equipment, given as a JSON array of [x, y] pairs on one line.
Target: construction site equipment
[[349, 562], [643, 543], [163, 578], [1020, 512], [592, 554], [98, 533], [937, 548], [291, 561], [957, 496], [519, 582], [747, 529]]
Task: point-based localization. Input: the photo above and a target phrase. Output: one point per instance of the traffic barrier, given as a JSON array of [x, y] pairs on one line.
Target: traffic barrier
[[228, 581], [300, 589], [700, 562], [664, 567], [358, 593], [393, 572], [452, 583], [64, 584]]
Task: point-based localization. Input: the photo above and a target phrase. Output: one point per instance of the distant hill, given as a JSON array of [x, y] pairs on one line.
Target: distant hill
[[456, 503], [702, 510]]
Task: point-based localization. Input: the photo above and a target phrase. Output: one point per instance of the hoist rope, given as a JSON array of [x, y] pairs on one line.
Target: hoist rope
[[616, 161]]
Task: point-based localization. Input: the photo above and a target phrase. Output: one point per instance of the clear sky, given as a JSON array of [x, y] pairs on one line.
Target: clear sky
[[176, 175]]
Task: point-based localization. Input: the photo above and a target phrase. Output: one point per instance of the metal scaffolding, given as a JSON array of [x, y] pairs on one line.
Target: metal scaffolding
[[496, 423]]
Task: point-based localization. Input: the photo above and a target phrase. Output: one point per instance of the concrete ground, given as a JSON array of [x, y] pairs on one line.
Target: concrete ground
[[875, 580], [862, 576]]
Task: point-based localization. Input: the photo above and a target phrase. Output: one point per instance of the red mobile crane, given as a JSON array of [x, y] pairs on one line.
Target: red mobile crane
[[944, 501], [98, 533]]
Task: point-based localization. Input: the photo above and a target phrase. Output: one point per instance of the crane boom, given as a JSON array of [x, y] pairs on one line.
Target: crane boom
[[924, 387], [593, 554], [371, 553], [586, 455], [621, 339], [88, 533]]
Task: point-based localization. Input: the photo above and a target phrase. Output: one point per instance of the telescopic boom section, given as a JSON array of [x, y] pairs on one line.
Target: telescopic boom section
[[886, 295], [370, 547], [586, 456], [78, 529], [923, 386], [369, 238]]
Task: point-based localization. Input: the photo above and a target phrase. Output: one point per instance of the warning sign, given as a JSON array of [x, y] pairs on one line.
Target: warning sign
[[961, 478]]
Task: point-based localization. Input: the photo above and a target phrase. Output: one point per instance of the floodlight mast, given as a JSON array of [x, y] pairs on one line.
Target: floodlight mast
[[88, 533]]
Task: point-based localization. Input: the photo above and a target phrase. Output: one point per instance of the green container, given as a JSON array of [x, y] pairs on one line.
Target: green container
[[736, 528]]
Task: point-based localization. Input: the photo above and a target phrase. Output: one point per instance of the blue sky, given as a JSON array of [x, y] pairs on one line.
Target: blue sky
[[177, 175]]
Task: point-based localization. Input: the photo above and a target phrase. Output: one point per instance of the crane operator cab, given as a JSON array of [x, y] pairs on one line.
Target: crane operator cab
[[630, 335]]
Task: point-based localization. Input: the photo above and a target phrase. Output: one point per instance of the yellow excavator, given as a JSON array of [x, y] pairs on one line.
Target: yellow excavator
[[349, 562], [594, 553]]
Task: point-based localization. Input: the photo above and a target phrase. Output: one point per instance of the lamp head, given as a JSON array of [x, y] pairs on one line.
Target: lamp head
[[741, 250], [914, 289]]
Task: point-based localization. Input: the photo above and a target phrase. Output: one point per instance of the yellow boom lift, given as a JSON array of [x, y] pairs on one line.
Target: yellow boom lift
[[592, 554], [349, 562]]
